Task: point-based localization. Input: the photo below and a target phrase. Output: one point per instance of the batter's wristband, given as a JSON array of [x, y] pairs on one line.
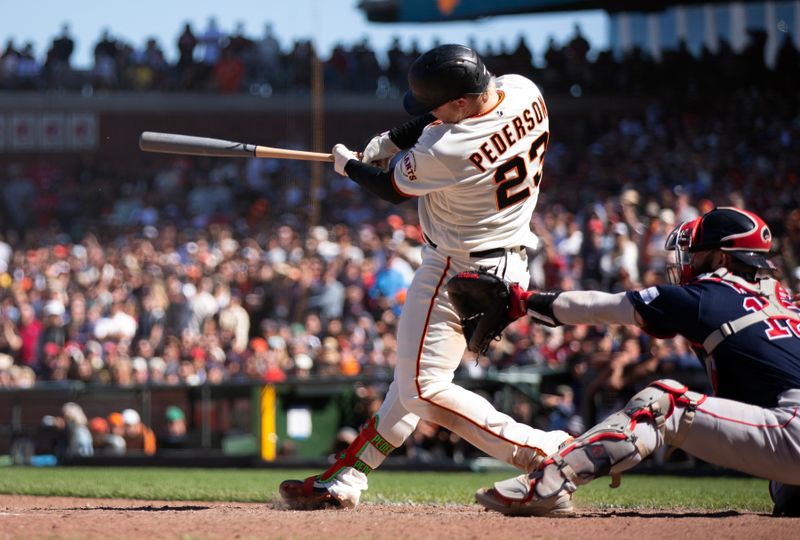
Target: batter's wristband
[[375, 180]]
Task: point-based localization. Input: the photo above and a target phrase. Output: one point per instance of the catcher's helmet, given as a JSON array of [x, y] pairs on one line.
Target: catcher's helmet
[[740, 233], [443, 74]]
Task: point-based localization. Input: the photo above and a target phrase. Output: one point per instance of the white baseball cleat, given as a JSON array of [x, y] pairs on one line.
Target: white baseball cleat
[[517, 497]]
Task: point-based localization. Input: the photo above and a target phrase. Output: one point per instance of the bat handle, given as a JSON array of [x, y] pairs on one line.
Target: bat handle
[[283, 153]]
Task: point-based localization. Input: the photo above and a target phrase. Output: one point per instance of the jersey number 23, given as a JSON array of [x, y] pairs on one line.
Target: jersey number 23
[[514, 172]]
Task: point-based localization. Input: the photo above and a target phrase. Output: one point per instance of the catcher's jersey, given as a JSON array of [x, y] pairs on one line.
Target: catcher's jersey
[[478, 180], [753, 366]]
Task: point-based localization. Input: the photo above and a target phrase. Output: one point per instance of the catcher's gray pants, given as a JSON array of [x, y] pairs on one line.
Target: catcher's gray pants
[[759, 441], [762, 442]]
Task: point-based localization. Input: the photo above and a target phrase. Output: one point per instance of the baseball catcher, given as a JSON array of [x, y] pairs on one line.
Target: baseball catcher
[[744, 328]]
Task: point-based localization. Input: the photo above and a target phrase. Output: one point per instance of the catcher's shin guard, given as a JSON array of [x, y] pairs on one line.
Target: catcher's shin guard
[[611, 447]]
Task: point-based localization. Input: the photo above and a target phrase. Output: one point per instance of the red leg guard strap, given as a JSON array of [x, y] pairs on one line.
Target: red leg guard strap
[[351, 456]]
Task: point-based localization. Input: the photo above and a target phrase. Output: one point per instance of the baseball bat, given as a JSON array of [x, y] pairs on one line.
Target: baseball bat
[[172, 143]]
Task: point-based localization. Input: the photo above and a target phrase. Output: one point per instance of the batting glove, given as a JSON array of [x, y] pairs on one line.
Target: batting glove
[[341, 155], [380, 147]]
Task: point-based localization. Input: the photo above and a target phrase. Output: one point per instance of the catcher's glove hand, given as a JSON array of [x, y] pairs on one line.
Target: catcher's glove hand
[[485, 304]]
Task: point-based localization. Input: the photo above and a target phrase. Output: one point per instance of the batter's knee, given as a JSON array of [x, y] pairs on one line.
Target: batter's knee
[[411, 401], [415, 406], [416, 396]]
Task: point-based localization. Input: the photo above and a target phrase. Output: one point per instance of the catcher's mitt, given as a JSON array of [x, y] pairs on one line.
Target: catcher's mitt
[[481, 300]]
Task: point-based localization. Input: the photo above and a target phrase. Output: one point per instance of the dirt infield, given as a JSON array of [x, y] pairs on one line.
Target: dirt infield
[[57, 517]]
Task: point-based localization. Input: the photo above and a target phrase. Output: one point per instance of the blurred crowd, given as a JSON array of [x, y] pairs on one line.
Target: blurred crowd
[[198, 271], [214, 59], [72, 434]]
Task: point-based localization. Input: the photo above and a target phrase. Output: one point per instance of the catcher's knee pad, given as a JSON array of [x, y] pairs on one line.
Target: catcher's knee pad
[[611, 446], [679, 396]]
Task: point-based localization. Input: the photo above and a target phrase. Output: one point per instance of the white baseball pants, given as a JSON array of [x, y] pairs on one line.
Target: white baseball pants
[[430, 348]]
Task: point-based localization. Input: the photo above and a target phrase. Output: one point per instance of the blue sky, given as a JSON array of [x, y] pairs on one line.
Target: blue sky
[[328, 21]]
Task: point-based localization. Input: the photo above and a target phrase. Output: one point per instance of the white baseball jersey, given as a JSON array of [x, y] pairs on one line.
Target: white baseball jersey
[[478, 180]]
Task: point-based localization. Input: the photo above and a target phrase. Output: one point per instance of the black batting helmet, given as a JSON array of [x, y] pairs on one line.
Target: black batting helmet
[[443, 74]]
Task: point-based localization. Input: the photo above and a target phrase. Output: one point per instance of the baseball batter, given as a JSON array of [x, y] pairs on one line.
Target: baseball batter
[[744, 327], [473, 160]]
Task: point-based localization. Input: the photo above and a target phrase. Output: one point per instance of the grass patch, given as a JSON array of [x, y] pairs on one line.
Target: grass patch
[[676, 492], [260, 485]]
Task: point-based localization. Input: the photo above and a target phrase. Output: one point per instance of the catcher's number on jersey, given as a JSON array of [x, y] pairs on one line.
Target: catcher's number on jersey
[[513, 172]]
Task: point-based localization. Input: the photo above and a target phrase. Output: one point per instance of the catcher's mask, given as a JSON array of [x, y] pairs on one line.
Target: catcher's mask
[[740, 233], [679, 241]]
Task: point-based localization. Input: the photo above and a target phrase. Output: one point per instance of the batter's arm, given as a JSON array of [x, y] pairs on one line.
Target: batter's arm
[[375, 180], [407, 135]]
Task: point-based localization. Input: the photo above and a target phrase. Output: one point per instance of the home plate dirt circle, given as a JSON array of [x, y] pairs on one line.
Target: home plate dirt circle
[[60, 517]]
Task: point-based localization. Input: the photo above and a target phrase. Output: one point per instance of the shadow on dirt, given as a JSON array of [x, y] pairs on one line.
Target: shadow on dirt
[[186, 508], [283, 507], [676, 514]]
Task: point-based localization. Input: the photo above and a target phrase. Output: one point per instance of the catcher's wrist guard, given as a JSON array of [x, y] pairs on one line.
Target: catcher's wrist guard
[[540, 307], [517, 301]]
